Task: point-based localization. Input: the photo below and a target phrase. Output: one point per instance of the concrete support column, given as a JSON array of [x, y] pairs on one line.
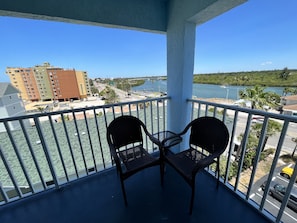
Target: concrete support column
[[180, 68]]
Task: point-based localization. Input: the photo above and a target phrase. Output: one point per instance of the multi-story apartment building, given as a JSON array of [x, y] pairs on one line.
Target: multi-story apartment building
[[24, 80], [64, 84], [83, 83], [45, 82]]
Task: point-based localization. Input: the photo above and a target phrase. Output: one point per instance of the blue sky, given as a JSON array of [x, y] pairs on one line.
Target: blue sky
[[258, 35]]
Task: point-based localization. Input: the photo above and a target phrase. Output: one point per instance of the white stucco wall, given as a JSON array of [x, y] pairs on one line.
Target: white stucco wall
[[11, 105]]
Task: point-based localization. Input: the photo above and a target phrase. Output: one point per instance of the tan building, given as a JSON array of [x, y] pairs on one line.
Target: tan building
[[45, 82], [83, 84], [24, 80]]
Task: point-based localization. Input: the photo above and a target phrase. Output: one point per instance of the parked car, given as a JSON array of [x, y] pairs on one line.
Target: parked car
[[278, 191], [257, 119], [287, 172]]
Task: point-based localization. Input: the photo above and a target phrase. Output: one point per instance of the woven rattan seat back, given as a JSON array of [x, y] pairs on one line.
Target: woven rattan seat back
[[125, 139], [210, 134], [125, 130]]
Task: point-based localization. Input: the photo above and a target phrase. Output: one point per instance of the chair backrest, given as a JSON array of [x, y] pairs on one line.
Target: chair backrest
[[209, 133], [124, 130]]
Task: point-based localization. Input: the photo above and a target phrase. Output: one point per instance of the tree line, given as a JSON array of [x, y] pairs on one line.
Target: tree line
[[273, 78]]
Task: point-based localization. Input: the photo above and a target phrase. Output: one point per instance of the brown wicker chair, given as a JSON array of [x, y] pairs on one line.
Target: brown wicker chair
[[125, 140], [208, 140]]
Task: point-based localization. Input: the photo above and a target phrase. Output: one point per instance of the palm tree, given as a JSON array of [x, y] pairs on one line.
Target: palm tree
[[273, 128], [259, 98], [285, 74]]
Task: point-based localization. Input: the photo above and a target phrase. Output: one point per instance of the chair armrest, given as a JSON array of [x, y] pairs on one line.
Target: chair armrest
[[155, 140], [167, 138], [171, 141], [205, 162]]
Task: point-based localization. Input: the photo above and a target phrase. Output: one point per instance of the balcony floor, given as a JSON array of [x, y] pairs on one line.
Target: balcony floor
[[98, 198]]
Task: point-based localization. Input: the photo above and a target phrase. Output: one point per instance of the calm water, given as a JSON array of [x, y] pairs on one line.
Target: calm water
[[203, 90]]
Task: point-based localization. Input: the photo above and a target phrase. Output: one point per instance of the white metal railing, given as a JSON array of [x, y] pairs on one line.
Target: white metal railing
[[47, 150], [246, 182]]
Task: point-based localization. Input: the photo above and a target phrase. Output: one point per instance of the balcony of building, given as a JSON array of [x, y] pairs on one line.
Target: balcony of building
[[57, 167]]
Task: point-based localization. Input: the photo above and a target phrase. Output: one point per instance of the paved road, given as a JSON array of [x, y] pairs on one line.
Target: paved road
[[272, 205], [272, 141], [123, 96]]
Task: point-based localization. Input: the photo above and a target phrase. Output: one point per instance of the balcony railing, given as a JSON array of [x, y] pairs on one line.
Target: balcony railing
[[245, 180], [48, 150]]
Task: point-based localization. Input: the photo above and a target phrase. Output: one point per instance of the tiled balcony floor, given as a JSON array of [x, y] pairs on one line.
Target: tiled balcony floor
[[98, 199]]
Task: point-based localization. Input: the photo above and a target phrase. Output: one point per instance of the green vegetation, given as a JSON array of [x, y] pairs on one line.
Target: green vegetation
[[259, 98], [279, 78], [109, 95], [126, 83], [123, 84], [94, 90], [273, 78], [247, 162], [135, 83], [273, 128]]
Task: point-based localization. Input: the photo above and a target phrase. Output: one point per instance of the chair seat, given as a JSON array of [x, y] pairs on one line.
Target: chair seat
[[136, 158], [185, 161]]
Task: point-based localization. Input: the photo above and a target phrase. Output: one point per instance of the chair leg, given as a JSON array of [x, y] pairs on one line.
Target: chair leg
[[162, 170], [124, 192], [218, 172], [192, 197]]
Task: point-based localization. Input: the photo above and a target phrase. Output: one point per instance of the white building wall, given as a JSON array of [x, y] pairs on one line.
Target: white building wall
[[11, 105]]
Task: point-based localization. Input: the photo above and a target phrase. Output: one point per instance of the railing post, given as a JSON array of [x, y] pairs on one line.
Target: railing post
[[46, 151]]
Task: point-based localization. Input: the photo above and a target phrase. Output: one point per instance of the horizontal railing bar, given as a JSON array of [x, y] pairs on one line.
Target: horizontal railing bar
[[282, 117]]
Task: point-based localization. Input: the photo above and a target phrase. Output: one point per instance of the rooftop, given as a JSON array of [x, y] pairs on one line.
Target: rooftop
[[6, 89]]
